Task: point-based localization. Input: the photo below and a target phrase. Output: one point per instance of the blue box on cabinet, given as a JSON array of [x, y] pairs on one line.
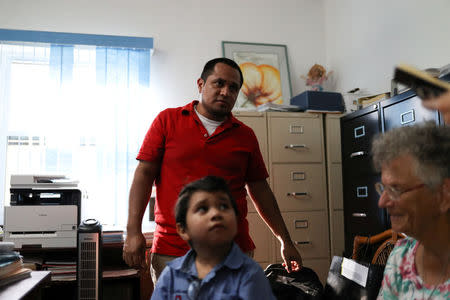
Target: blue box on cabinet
[[319, 101]]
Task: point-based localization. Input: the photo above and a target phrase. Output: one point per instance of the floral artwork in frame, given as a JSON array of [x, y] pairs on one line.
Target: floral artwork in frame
[[265, 69]]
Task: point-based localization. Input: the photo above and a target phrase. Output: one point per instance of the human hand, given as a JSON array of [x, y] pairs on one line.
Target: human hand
[[441, 103], [294, 266], [134, 251], [292, 260]]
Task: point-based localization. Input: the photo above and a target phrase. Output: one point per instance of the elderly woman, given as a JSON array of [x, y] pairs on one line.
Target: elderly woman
[[415, 189]]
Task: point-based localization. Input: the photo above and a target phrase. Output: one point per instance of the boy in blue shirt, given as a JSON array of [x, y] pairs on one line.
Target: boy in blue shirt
[[215, 267]]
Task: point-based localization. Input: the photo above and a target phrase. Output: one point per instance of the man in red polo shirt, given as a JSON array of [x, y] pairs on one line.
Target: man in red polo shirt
[[186, 143]]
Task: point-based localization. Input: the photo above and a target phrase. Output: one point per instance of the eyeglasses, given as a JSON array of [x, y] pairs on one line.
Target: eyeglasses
[[193, 289], [394, 193]]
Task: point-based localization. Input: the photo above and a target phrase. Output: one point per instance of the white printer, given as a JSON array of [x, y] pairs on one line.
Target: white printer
[[44, 212]]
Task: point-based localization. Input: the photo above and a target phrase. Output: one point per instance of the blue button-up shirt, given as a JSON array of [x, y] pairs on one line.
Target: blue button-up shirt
[[237, 277]]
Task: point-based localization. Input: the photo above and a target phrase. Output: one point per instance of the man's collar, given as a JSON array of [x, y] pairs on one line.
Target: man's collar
[[189, 109]]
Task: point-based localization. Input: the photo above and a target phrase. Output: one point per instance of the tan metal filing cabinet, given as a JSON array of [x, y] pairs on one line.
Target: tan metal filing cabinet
[[334, 177], [292, 145], [298, 179], [259, 231]]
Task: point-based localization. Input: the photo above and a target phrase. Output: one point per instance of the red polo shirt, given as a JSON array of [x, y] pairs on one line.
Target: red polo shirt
[[178, 140]]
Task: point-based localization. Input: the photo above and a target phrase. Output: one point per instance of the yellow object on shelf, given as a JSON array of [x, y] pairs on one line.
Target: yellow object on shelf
[[366, 101]]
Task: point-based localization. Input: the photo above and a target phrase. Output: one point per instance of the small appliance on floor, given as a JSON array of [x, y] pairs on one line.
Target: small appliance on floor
[[89, 264]]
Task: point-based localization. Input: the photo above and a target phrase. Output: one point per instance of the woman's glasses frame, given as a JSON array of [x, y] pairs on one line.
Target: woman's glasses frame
[[394, 193]]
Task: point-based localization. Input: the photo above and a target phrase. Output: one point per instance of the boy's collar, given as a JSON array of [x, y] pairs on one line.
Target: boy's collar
[[233, 260]]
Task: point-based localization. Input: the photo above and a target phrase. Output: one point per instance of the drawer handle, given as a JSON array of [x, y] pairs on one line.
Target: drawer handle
[[302, 242], [359, 215], [293, 194], [358, 153], [292, 146]]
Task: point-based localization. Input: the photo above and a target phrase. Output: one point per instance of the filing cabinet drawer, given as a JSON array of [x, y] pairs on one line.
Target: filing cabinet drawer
[[299, 186], [362, 216], [262, 237], [296, 139], [367, 226], [335, 186], [309, 232], [357, 135], [360, 194], [406, 113]]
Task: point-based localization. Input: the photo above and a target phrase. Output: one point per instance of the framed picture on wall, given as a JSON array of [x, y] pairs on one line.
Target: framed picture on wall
[[265, 69]]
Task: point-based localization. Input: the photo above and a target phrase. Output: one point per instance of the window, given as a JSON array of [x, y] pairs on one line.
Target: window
[[76, 105]]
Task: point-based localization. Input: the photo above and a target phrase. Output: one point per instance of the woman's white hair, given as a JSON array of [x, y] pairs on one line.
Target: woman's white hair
[[427, 143]]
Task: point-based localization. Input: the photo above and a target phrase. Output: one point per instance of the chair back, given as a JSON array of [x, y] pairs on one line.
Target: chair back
[[375, 249]]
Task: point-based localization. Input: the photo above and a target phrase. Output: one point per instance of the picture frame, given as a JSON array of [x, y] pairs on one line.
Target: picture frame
[[265, 68]]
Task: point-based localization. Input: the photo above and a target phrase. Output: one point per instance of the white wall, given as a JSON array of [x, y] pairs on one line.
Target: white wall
[[360, 40], [186, 33], [366, 39]]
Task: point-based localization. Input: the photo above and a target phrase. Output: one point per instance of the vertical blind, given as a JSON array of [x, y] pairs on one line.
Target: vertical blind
[[78, 106]]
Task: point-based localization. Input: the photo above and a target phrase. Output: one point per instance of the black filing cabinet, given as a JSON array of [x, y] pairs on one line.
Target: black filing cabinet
[[361, 213], [362, 216]]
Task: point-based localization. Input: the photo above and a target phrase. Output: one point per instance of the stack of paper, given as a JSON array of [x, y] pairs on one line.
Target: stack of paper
[[11, 266], [112, 234], [269, 106], [61, 270]]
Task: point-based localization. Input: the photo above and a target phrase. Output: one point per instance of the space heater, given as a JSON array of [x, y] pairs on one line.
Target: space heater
[[89, 264]]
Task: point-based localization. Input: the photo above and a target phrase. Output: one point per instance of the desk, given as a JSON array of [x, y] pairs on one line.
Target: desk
[[28, 288], [119, 281]]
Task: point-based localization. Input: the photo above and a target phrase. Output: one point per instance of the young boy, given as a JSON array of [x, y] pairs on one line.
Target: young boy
[[215, 267]]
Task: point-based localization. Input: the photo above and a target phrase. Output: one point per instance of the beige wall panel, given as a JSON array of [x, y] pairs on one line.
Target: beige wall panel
[[338, 242], [257, 122], [333, 134], [335, 186], [262, 237]]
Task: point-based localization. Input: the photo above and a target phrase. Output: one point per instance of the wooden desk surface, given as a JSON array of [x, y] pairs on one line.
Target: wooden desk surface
[[22, 288]]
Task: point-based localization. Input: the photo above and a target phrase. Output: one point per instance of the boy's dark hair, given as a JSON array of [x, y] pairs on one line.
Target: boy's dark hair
[[209, 184], [208, 69]]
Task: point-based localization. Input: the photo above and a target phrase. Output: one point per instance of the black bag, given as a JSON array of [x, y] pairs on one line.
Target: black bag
[[339, 287], [301, 285]]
